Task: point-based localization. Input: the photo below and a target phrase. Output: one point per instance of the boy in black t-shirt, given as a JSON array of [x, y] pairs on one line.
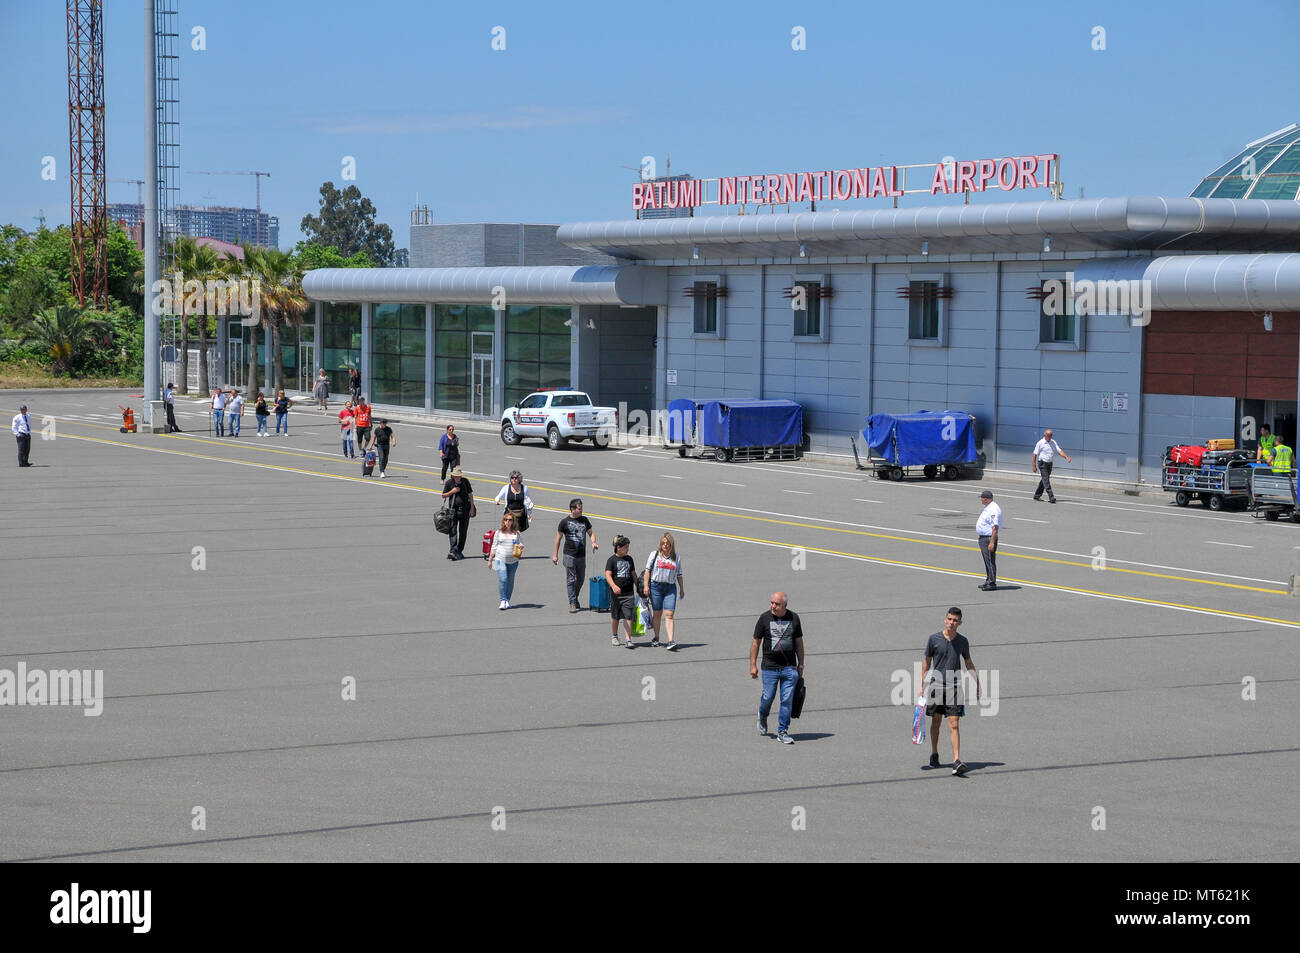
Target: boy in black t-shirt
[[380, 440], [944, 654], [573, 531], [781, 636], [620, 573]]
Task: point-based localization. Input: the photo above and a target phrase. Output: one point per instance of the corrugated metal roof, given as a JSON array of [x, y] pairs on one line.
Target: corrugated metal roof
[[559, 285], [1253, 283]]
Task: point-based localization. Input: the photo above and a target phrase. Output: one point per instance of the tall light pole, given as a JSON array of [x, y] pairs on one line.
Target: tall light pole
[[151, 352]]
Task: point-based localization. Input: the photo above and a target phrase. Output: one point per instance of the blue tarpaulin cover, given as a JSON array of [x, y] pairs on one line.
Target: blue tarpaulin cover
[[928, 437], [749, 422], [681, 420]]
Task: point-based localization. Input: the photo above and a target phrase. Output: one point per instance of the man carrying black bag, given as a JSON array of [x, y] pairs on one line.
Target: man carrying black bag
[[781, 636], [460, 500]]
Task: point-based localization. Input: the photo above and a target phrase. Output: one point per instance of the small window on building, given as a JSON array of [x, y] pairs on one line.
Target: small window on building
[[706, 307], [1059, 328], [807, 319], [923, 311]]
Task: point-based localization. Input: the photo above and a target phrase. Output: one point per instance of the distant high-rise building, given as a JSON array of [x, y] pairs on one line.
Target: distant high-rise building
[[226, 224]]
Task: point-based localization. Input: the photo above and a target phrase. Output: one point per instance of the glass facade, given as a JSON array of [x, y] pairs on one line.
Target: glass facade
[[342, 345], [397, 355], [454, 325], [537, 350]]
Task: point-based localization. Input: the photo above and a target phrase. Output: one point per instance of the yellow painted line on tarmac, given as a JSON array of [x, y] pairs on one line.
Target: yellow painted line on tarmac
[[880, 560]]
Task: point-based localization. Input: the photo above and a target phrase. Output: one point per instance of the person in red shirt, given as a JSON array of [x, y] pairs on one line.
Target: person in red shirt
[[362, 414], [347, 421]]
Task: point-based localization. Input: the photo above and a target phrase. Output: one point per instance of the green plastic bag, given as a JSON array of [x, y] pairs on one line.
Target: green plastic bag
[[641, 624]]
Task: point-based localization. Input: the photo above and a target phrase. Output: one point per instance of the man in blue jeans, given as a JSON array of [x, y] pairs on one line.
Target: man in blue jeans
[[781, 636]]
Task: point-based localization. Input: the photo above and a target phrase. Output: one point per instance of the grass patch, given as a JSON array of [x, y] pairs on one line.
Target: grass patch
[[29, 375]]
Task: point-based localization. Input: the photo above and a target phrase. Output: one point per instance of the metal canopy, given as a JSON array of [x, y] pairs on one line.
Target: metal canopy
[[1118, 224], [1254, 283], [557, 285]]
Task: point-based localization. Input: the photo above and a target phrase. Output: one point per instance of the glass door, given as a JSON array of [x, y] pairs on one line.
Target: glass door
[[481, 374], [236, 371], [306, 366]]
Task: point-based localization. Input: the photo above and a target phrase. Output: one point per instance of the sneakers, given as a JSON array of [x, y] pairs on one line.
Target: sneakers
[[629, 644], [784, 739], [503, 605], [573, 607], [613, 640], [655, 643], [382, 474], [672, 646], [451, 556], [959, 768], [934, 760], [762, 728], [1051, 501]]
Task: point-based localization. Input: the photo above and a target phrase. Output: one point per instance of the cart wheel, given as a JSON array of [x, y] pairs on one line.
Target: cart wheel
[[930, 471], [896, 473], [882, 473], [1181, 498], [720, 454], [1270, 515], [950, 472], [1214, 502], [681, 451]]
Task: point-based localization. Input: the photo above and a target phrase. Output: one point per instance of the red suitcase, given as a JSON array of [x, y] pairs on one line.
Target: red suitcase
[[1187, 454], [487, 542]]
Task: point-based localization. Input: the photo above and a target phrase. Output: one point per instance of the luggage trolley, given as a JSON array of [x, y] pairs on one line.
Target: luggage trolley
[[742, 429], [1219, 480], [938, 441], [1273, 495]]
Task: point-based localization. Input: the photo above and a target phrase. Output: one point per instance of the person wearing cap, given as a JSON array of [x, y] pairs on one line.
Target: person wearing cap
[[986, 528], [459, 495], [23, 433], [169, 398], [380, 440]]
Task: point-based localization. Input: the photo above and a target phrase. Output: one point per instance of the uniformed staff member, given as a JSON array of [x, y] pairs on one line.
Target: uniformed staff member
[[23, 433], [1283, 459], [1264, 453], [169, 398]]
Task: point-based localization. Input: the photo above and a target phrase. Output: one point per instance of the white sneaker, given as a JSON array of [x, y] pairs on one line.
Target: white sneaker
[[382, 474], [503, 605]]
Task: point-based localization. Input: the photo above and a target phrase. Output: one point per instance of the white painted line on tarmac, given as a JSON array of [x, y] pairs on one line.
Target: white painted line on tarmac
[[508, 457], [725, 483], [940, 509], [669, 476], [800, 492], [615, 470], [1026, 519], [1126, 532], [1213, 542]]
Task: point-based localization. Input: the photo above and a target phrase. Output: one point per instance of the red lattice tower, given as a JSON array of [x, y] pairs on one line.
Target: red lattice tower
[[86, 147]]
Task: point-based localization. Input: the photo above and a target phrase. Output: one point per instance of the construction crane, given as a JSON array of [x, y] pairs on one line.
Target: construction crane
[[258, 176], [139, 191]]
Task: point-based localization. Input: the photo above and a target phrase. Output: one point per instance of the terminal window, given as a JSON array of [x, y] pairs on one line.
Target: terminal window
[[706, 307], [923, 310], [1056, 316], [808, 319]]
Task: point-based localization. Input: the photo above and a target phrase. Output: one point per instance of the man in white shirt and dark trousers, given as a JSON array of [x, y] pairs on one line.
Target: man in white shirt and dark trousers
[[1045, 452], [23, 433], [986, 528]]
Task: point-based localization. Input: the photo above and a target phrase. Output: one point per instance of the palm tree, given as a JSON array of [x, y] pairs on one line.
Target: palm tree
[[195, 263], [66, 333], [282, 300]]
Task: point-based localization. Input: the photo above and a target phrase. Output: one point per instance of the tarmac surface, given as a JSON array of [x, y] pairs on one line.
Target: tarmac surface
[[228, 589]]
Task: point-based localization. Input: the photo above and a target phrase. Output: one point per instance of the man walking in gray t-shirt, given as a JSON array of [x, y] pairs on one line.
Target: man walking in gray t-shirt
[[944, 653]]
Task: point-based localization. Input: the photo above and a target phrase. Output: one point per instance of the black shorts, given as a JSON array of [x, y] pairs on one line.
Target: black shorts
[[958, 710], [622, 606]]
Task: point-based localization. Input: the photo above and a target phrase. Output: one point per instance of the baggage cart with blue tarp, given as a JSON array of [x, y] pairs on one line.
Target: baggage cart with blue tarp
[[741, 428], [938, 441]]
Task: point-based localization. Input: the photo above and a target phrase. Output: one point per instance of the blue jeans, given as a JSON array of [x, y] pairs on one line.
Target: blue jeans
[[663, 595], [282, 419], [349, 448], [505, 578], [235, 421], [261, 425], [219, 421], [787, 677]]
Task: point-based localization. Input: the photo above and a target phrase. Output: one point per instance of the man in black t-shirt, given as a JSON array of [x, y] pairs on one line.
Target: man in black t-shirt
[[944, 654], [781, 637], [459, 495], [380, 440], [620, 573], [574, 531]]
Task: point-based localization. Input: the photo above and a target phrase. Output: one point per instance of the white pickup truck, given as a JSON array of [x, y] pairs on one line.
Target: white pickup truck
[[558, 416]]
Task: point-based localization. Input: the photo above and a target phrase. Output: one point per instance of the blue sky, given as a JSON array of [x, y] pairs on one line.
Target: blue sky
[[539, 132]]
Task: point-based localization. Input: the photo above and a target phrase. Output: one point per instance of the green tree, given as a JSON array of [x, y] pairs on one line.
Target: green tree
[[199, 263], [309, 257], [68, 335], [347, 222], [280, 281]]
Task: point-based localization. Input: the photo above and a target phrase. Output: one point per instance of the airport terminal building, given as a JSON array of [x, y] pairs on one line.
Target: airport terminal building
[[1125, 324]]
